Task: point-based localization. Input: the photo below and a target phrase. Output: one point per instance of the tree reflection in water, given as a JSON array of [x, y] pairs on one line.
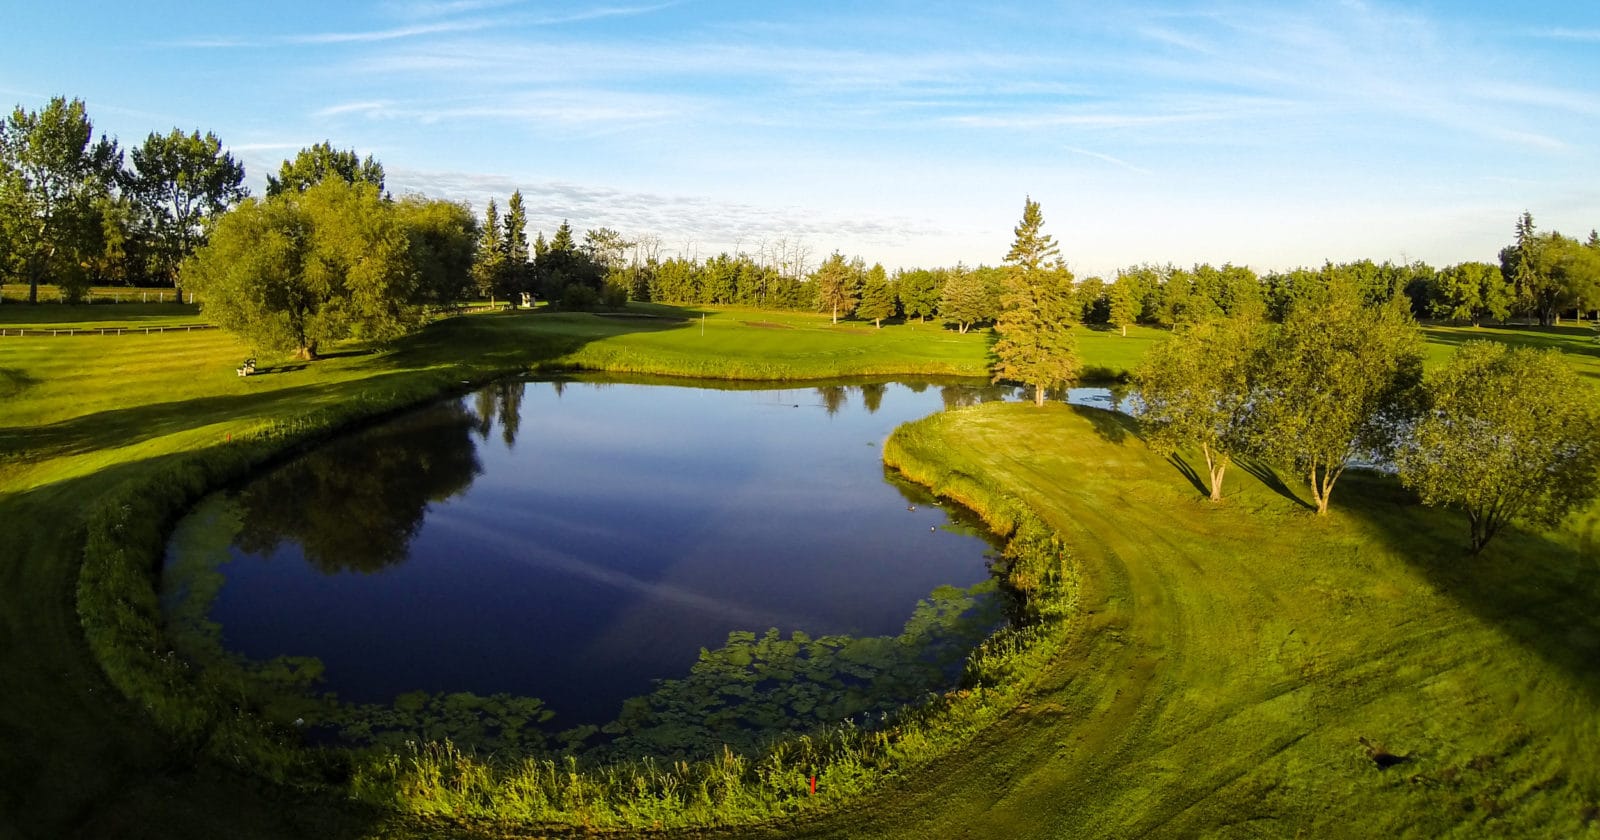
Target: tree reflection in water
[[355, 504]]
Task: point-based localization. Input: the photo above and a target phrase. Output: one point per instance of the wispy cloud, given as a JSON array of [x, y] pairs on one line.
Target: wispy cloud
[[566, 108], [1564, 34], [1108, 159], [394, 34], [371, 108], [416, 31], [692, 221]]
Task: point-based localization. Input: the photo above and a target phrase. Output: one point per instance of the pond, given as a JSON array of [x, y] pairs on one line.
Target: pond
[[578, 541]]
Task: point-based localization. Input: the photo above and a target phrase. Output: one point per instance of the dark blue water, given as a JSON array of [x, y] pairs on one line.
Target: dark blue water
[[576, 541]]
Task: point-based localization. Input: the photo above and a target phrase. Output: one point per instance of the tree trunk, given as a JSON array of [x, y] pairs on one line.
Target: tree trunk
[[1216, 465], [1038, 395], [306, 353], [836, 313]]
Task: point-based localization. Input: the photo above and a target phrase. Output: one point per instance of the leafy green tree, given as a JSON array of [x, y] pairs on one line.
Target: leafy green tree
[[1089, 302], [1035, 346], [1469, 293], [1550, 272], [443, 239], [1241, 293], [182, 182], [966, 299], [1122, 306], [1507, 434], [1334, 383], [1574, 269], [838, 286], [51, 173], [1197, 391], [317, 163], [299, 270], [606, 248], [918, 291], [877, 297]]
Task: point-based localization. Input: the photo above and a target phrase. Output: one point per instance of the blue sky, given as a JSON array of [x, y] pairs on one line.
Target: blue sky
[[1270, 134]]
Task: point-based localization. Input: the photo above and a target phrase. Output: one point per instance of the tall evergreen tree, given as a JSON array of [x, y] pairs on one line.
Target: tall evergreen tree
[[1122, 305], [877, 297], [489, 266], [1036, 345], [837, 289], [516, 274]]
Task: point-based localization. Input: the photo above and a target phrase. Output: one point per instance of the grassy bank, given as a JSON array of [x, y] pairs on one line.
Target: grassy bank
[[1250, 668], [90, 423], [85, 423]]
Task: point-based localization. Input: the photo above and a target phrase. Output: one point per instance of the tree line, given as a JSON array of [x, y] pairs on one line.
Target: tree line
[[1332, 380], [76, 211]]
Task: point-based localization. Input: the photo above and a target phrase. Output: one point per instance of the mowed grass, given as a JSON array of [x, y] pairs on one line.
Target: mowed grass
[[1243, 662], [1578, 341], [80, 416]]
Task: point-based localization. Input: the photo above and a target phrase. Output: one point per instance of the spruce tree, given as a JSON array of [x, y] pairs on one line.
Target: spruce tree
[[877, 297], [515, 245], [489, 266], [1036, 346]]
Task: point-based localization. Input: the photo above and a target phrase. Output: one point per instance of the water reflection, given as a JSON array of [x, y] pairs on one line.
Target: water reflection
[[611, 534], [355, 506]]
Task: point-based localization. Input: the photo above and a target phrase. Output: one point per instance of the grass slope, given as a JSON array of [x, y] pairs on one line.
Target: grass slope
[[1237, 655], [81, 416]]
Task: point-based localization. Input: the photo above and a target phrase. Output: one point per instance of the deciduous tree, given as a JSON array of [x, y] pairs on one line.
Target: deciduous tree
[[182, 182], [1196, 390], [299, 270], [51, 173], [1334, 385], [1506, 434], [312, 165]]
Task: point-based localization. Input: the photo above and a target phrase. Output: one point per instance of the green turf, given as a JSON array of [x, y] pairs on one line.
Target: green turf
[[1238, 654], [1464, 667]]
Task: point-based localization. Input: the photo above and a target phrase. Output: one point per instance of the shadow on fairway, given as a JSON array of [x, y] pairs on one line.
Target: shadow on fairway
[[1540, 591], [500, 345], [1264, 473]]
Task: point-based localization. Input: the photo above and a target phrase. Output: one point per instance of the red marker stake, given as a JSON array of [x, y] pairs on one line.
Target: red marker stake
[[813, 785]]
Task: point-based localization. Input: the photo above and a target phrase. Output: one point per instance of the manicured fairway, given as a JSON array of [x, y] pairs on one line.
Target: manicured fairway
[[1241, 663], [1232, 660]]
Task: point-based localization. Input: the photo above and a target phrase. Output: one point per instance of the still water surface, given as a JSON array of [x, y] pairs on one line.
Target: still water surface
[[575, 541]]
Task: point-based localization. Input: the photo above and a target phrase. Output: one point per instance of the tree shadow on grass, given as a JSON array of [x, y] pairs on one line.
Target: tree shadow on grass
[[483, 346], [127, 426], [1187, 471], [1578, 340], [13, 382], [1111, 426], [518, 341], [65, 722], [1540, 589], [1269, 478]]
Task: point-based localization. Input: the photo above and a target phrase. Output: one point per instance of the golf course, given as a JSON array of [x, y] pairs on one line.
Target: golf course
[[1245, 668]]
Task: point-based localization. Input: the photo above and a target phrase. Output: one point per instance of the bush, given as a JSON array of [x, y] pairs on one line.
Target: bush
[[579, 298]]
